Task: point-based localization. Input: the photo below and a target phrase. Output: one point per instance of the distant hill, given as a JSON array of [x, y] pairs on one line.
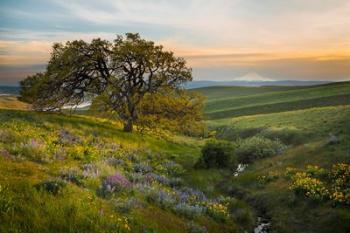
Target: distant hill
[[10, 90], [199, 84], [228, 102]]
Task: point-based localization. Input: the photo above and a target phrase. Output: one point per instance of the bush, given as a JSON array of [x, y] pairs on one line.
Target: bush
[[250, 149], [73, 175], [189, 211], [218, 211], [309, 186], [116, 182], [218, 154], [340, 175], [289, 136], [316, 171], [161, 198], [231, 133], [51, 186]]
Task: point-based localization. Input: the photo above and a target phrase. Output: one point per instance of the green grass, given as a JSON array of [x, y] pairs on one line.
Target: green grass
[[224, 92], [318, 121], [288, 212], [261, 100], [303, 116], [79, 207]]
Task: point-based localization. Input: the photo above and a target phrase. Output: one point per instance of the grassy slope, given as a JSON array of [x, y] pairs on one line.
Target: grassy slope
[[11, 102], [223, 92], [288, 213], [78, 207], [264, 100], [316, 111]]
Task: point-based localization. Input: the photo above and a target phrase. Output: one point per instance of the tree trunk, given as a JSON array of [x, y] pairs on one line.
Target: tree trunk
[[128, 126]]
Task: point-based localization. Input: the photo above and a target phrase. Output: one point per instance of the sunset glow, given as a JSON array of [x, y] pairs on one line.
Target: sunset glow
[[221, 40]]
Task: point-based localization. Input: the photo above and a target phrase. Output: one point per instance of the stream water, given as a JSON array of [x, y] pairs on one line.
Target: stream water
[[263, 226], [240, 168]]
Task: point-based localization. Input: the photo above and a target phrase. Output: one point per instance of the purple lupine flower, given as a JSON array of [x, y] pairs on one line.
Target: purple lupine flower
[[116, 182]]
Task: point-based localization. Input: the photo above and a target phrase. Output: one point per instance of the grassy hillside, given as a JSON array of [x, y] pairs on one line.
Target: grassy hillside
[[57, 172], [265, 185], [77, 173], [253, 101], [223, 92], [11, 102], [305, 119]]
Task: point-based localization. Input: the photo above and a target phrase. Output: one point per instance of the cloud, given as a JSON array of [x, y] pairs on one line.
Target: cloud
[[224, 38]]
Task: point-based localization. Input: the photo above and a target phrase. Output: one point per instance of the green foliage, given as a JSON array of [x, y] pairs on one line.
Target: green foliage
[[316, 171], [218, 154], [340, 176], [232, 134], [309, 186], [177, 111], [288, 136], [122, 72], [30, 91], [319, 184], [218, 211], [51, 186], [171, 110], [250, 149]]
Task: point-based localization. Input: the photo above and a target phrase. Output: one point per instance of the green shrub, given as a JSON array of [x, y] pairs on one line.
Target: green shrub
[[340, 175], [289, 136], [250, 149], [316, 171], [51, 186], [309, 186], [218, 154], [231, 133]]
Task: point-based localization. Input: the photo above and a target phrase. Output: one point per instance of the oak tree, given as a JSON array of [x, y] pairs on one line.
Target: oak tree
[[123, 71]]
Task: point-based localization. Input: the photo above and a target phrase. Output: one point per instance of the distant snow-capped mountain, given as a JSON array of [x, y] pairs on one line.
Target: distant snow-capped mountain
[[253, 77]]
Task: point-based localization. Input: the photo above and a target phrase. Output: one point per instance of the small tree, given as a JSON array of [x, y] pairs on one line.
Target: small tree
[[123, 72]]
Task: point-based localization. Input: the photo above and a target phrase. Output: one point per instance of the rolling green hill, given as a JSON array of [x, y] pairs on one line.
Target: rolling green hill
[[54, 168], [224, 102]]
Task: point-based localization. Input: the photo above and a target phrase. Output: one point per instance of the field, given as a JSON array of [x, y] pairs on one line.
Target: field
[[77, 173], [304, 117], [242, 101]]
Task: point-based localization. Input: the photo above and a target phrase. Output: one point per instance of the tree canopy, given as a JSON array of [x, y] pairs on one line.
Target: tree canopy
[[125, 72]]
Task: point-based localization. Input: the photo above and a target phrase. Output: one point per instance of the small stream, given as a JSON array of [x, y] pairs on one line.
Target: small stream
[[263, 225], [240, 168]]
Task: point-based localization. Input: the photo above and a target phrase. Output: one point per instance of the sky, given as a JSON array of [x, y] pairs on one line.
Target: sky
[[220, 39]]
